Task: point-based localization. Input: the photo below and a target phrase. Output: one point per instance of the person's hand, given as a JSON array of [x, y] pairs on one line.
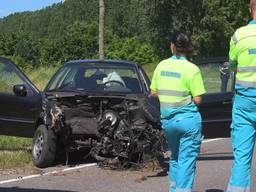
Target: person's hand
[[153, 94], [197, 100]]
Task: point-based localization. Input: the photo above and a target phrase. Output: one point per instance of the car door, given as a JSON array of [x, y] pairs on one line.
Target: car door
[[18, 113], [216, 108]]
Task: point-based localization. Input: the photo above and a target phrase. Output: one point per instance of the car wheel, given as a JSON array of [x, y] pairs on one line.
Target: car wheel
[[44, 147]]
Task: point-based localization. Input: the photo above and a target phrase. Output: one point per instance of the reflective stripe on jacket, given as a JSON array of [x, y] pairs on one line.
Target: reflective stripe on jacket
[[176, 80], [243, 52]]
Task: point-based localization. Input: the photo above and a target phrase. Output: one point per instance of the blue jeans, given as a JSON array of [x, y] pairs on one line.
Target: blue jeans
[[183, 134], [224, 83], [243, 135]]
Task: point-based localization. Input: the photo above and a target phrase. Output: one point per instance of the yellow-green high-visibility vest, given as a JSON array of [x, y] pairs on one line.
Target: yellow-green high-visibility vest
[[243, 54], [176, 80]]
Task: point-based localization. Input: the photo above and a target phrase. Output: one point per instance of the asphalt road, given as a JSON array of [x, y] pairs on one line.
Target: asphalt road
[[213, 168]]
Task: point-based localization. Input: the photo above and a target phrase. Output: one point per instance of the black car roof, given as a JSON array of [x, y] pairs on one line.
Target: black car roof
[[105, 62]]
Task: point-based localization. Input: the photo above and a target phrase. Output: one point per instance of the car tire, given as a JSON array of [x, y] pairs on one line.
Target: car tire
[[44, 147]]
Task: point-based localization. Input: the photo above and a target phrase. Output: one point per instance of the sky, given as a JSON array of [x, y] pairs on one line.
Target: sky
[[11, 6]]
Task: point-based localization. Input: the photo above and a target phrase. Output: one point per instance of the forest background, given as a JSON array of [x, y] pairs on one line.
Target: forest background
[[137, 30]]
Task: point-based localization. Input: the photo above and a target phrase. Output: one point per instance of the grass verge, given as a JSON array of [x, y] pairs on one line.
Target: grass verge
[[15, 152], [14, 143], [41, 76], [15, 159]]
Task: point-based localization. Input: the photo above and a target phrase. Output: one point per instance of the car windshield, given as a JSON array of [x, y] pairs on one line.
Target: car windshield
[[91, 78]]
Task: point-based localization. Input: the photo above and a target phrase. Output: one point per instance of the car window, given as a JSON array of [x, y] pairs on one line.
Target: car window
[[58, 79], [216, 76], [97, 79], [107, 79], [8, 78], [145, 79], [69, 78]]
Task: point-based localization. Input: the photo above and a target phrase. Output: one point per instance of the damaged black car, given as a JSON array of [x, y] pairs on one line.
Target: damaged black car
[[88, 105], [101, 107]]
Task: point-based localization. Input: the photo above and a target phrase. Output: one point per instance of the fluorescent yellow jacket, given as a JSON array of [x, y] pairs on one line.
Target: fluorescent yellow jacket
[[243, 56], [176, 80]]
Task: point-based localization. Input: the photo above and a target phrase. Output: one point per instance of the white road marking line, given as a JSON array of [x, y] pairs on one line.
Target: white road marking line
[[211, 140], [20, 178]]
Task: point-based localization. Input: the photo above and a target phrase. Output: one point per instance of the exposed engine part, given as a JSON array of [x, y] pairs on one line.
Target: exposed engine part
[[56, 114], [111, 116], [120, 132]]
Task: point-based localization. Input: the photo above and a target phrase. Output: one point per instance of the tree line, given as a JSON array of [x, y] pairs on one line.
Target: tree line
[[137, 30]]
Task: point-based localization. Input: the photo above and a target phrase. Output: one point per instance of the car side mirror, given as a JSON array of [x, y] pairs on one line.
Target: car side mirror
[[20, 90]]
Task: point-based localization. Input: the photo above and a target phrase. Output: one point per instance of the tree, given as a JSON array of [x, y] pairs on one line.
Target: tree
[[80, 41], [210, 22], [101, 28], [134, 29]]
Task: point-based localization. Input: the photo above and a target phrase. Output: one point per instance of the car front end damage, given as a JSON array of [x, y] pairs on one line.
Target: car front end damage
[[120, 131]]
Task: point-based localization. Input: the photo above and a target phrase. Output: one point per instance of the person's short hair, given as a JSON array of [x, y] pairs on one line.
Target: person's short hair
[[183, 43]]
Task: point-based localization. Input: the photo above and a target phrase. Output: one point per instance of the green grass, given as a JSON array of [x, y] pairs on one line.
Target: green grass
[[211, 78], [41, 76], [17, 159], [14, 143], [8, 80], [15, 152], [149, 69]]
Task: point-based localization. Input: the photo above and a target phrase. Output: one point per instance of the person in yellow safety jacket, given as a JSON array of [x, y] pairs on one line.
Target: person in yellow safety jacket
[[243, 128], [178, 84]]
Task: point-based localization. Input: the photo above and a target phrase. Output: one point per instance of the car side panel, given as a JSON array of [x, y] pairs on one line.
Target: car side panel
[[216, 111], [18, 115]]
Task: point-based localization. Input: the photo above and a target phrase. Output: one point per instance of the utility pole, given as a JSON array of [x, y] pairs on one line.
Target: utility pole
[[101, 28]]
